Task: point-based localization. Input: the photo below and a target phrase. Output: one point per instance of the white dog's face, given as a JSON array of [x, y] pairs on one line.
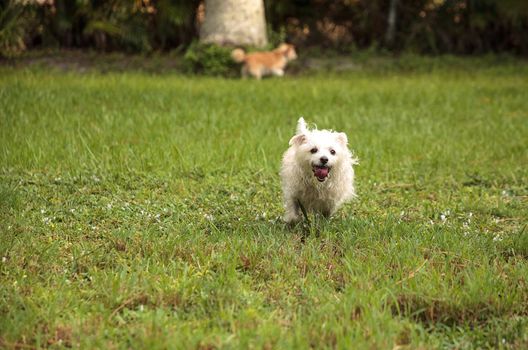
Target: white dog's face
[[320, 151]]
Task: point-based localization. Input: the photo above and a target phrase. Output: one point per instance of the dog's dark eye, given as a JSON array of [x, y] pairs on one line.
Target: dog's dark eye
[[314, 150], [332, 152]]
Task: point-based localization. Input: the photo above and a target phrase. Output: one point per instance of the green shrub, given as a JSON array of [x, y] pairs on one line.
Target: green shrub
[[276, 37], [16, 21], [210, 59]]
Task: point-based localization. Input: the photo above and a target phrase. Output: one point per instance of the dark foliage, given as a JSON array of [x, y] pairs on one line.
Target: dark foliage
[[422, 26], [209, 59], [137, 26]]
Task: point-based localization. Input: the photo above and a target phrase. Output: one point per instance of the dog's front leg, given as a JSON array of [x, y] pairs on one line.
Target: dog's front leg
[[293, 211], [277, 72]]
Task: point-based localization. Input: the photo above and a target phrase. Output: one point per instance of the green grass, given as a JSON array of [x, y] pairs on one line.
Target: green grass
[[142, 211]]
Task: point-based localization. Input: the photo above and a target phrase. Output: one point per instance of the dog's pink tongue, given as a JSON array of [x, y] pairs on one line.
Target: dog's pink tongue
[[321, 172]]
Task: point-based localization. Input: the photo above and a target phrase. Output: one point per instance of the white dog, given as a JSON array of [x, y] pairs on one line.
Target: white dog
[[317, 172]]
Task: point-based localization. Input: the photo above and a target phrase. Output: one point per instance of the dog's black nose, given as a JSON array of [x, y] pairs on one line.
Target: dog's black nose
[[323, 160]]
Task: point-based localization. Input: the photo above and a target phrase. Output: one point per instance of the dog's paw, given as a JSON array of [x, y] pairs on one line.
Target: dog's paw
[[292, 218]]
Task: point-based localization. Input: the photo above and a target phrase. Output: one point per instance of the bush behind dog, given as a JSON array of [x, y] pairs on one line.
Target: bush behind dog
[[210, 59]]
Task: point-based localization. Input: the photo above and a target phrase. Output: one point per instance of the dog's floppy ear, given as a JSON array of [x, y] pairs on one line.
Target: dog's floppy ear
[[297, 139], [342, 138]]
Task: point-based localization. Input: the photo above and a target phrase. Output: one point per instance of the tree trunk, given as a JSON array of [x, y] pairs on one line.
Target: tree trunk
[[391, 23], [234, 22]]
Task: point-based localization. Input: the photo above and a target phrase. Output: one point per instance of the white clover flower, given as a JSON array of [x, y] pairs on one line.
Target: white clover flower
[[497, 238]]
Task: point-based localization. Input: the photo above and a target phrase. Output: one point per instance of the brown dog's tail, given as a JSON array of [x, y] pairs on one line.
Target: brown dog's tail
[[238, 55]]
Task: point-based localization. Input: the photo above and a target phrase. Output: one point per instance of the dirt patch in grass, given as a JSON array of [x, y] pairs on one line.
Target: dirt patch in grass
[[430, 311], [86, 61]]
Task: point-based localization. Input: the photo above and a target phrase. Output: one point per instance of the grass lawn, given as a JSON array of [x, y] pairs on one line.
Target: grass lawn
[[143, 211]]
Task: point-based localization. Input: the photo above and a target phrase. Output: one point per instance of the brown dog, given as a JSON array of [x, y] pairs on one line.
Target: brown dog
[[263, 63]]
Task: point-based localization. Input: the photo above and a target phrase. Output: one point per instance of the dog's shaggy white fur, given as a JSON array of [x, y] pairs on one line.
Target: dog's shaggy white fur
[[317, 172]]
